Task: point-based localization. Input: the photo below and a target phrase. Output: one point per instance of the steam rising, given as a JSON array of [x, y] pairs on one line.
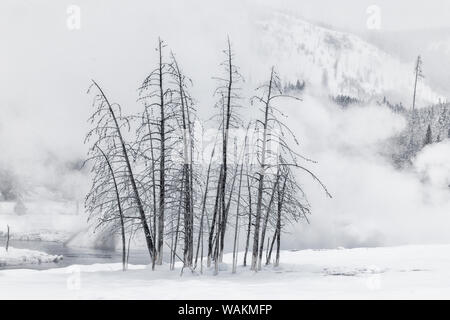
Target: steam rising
[[374, 203]]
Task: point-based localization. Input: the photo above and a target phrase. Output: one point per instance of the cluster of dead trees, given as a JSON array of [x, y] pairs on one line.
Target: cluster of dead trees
[[153, 173]]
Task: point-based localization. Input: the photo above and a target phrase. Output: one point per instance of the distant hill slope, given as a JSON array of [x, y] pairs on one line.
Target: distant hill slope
[[339, 63]]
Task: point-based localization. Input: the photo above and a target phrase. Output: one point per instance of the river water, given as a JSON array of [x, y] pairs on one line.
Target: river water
[[76, 255]]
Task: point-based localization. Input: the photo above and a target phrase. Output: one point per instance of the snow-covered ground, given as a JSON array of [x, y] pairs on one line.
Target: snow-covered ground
[[414, 271], [19, 257]]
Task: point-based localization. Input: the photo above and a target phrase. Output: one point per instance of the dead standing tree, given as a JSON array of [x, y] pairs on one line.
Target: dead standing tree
[[183, 104], [250, 181], [228, 92], [7, 238], [292, 205], [240, 162], [204, 214], [272, 143], [166, 141], [156, 97], [108, 193], [108, 124], [262, 158], [144, 152], [418, 74]]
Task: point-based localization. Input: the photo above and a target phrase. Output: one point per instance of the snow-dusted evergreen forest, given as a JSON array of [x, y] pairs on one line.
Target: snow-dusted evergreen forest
[[224, 150]]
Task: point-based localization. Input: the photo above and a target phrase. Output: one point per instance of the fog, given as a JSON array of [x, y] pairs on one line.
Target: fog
[[373, 203]]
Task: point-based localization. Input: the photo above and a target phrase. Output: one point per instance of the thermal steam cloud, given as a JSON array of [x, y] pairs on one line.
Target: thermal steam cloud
[[373, 202]]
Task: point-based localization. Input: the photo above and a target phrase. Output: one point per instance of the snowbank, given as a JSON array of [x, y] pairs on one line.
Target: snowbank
[[18, 257]]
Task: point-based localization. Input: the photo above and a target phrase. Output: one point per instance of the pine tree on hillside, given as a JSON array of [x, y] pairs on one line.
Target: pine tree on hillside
[[428, 137]]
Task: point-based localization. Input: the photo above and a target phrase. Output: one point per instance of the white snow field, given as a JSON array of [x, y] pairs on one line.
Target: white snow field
[[410, 272], [18, 257]]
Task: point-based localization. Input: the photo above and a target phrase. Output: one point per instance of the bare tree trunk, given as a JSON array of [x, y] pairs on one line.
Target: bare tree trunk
[[267, 248], [249, 228], [236, 227], [137, 197], [227, 210], [226, 127], [269, 255], [162, 162], [266, 220], [201, 258], [257, 224], [278, 228], [217, 243], [261, 180], [191, 185], [171, 244], [153, 187], [124, 249], [119, 206], [417, 75], [187, 157], [277, 261], [205, 196], [213, 223], [187, 223], [122, 225], [188, 227], [174, 249], [129, 245], [7, 238]]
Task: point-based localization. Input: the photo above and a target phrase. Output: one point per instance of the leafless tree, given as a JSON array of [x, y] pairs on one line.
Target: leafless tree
[[108, 124], [165, 141], [204, 215], [238, 204], [228, 92], [154, 141], [7, 238], [418, 74], [183, 102], [249, 195], [271, 143], [105, 200]]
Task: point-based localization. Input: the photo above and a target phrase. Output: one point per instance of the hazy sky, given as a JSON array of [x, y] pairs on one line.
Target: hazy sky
[[395, 15]]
